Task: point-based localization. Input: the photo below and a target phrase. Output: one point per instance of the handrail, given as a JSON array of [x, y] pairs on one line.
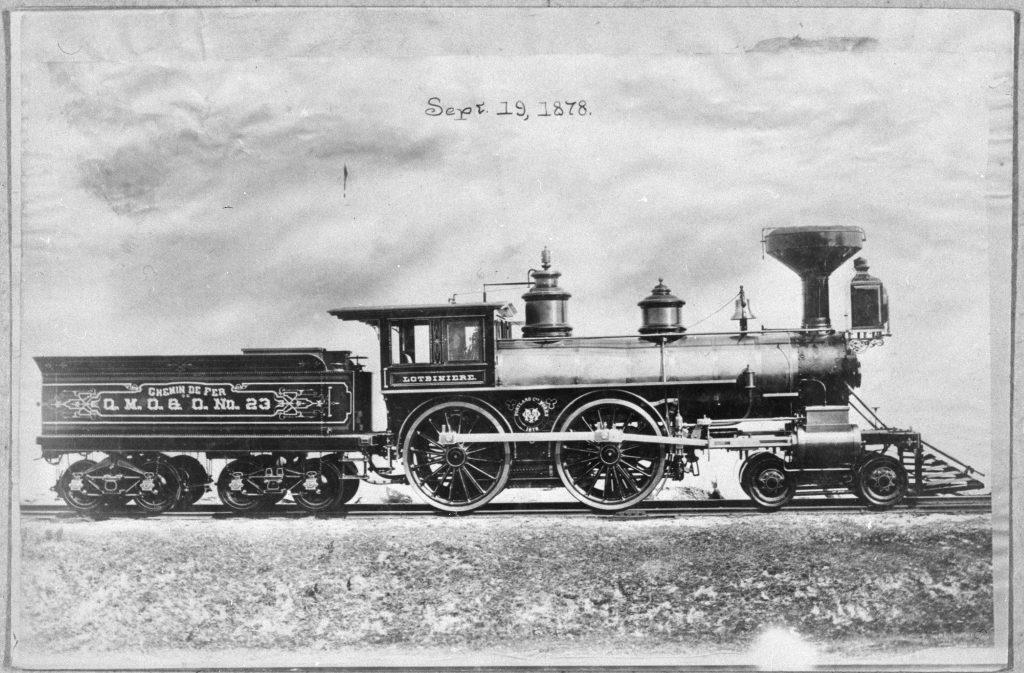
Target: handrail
[[959, 463], [677, 336], [877, 421]]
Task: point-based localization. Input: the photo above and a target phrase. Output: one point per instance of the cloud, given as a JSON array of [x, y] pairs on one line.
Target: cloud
[[129, 177], [151, 137]]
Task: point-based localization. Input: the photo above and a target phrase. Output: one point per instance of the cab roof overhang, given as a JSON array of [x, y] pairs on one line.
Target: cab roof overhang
[[371, 314]]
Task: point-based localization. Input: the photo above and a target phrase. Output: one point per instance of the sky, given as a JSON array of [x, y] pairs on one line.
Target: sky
[[202, 181]]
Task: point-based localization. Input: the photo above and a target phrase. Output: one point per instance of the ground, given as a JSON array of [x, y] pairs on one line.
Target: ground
[[484, 588]]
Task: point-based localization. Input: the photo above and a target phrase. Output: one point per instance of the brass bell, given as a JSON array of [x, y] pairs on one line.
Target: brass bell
[[743, 312]]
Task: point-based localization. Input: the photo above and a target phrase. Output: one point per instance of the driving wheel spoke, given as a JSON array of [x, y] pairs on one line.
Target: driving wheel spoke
[[627, 480], [610, 476], [472, 465], [468, 475], [591, 461]]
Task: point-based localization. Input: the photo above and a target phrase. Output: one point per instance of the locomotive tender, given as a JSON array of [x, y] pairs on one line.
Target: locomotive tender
[[472, 410]]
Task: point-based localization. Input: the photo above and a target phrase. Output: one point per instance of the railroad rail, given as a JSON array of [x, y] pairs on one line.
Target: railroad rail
[[979, 504]]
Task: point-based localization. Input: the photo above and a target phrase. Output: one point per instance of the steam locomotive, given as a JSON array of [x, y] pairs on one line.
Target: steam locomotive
[[472, 410]]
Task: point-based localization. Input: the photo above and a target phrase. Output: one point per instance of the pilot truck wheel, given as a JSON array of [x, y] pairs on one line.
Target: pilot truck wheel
[[610, 476], [767, 482], [455, 477], [882, 482]]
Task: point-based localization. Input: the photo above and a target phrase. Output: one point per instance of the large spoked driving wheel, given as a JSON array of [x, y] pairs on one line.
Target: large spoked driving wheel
[[882, 482], [766, 481], [455, 477], [609, 476]]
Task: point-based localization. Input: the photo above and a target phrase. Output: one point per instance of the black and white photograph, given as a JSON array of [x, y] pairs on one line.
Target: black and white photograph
[[512, 336]]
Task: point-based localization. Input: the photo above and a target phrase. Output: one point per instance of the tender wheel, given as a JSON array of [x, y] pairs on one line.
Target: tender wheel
[[348, 486], [161, 486], [76, 490], [882, 482], [320, 489], [455, 477], [610, 476], [194, 478], [236, 487], [767, 482]]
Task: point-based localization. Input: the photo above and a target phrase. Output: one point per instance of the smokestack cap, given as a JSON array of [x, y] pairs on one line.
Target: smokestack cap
[[814, 251]]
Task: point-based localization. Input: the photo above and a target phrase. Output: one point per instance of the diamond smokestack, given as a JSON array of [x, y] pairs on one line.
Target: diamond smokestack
[[814, 253]]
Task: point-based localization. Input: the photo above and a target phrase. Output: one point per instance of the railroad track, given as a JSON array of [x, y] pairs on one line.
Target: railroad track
[[979, 504]]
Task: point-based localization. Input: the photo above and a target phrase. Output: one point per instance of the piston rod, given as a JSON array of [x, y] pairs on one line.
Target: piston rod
[[601, 436]]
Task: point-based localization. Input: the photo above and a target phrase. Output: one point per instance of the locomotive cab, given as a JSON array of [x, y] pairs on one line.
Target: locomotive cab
[[435, 346]]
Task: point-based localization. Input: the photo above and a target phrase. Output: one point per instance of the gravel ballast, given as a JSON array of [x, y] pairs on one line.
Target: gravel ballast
[[878, 584]]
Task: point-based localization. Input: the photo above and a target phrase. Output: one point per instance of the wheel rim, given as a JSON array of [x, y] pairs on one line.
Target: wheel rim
[[160, 491], [235, 487], [610, 476], [883, 481], [769, 485], [74, 490], [320, 486], [457, 477]]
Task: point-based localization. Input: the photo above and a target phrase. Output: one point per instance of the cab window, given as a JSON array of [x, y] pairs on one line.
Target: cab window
[[436, 341], [463, 341], [410, 342]]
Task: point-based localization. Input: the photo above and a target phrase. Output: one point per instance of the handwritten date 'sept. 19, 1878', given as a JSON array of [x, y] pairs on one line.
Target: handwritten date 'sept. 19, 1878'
[[507, 109]]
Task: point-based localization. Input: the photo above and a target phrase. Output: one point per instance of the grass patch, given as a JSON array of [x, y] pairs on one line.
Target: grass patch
[[474, 582]]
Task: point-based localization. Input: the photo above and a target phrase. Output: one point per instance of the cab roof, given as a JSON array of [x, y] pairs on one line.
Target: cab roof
[[376, 313]]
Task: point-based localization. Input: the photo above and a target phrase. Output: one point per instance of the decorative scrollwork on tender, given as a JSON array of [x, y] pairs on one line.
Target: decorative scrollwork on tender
[[81, 404], [292, 403]]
